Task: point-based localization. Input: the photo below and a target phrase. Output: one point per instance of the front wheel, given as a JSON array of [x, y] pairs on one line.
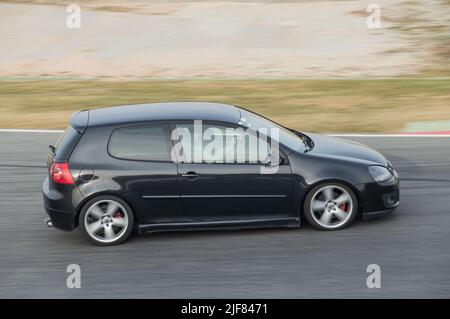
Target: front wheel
[[330, 206], [106, 220]]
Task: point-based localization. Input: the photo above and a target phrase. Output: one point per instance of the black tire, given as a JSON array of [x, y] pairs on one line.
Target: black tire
[[99, 200], [315, 221]]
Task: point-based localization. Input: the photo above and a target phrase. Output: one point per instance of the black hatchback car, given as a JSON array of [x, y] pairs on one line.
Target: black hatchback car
[[148, 168]]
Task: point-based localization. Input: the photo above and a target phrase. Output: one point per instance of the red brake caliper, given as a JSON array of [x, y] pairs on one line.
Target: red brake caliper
[[344, 207]]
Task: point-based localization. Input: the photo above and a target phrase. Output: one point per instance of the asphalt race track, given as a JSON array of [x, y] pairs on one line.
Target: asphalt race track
[[412, 246]]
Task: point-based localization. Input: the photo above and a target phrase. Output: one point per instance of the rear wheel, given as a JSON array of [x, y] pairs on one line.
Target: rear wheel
[[331, 206], [106, 220]]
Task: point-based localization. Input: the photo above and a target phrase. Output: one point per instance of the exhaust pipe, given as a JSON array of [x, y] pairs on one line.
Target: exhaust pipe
[[48, 222]]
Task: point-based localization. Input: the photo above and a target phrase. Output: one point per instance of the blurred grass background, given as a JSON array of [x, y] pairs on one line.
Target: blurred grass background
[[367, 105], [335, 105]]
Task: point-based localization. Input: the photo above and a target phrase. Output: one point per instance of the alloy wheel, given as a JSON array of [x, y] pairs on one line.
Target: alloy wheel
[[331, 206], [106, 221]]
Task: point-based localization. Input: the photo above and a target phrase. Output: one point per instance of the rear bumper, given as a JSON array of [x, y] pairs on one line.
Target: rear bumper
[[58, 204], [61, 219]]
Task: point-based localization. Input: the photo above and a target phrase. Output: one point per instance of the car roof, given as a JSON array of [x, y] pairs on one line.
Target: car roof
[[139, 113]]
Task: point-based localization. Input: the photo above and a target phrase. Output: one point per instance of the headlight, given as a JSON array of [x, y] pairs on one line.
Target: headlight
[[380, 173], [391, 168]]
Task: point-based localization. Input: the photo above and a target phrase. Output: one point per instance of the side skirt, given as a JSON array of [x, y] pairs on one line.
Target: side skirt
[[217, 225]]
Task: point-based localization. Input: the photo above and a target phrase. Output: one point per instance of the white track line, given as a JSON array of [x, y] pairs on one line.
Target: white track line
[[336, 135]]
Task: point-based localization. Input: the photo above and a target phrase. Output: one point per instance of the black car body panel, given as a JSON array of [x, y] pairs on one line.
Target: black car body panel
[[332, 147], [164, 196], [142, 113]]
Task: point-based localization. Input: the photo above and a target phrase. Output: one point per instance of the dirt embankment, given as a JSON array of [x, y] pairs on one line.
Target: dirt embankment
[[135, 39]]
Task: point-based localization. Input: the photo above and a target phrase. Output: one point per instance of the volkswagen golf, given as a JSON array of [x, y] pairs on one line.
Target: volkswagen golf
[[191, 165]]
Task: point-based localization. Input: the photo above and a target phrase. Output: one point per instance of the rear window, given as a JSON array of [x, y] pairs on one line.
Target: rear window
[[141, 143], [66, 143]]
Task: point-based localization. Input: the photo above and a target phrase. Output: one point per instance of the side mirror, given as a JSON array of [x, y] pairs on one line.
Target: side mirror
[[268, 161]]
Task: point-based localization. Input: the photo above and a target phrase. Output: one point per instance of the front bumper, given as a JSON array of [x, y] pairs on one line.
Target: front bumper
[[376, 214], [379, 199]]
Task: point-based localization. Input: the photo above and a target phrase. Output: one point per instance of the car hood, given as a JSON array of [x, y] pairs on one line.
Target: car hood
[[341, 148]]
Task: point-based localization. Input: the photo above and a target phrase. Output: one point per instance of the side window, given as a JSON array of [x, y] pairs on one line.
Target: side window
[[142, 143], [216, 143]]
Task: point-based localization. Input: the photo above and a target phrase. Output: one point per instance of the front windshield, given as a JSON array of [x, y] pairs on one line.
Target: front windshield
[[286, 137]]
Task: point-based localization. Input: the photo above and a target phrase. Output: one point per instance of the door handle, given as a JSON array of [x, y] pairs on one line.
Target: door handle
[[191, 175]]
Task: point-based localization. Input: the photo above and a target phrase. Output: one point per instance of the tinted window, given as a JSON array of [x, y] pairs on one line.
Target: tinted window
[[286, 137], [144, 143], [220, 144], [66, 143]]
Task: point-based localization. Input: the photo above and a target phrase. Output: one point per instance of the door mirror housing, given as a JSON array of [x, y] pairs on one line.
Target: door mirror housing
[[268, 161]]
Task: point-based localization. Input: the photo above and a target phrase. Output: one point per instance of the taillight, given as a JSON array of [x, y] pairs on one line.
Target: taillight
[[60, 174]]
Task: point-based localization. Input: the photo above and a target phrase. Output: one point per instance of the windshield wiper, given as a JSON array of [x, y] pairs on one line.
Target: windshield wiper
[[307, 144], [307, 141], [310, 142]]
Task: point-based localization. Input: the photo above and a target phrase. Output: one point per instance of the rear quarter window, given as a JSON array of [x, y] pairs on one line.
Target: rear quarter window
[[141, 143], [66, 143]]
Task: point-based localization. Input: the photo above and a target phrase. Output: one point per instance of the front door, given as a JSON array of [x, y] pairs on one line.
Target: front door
[[214, 189]]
